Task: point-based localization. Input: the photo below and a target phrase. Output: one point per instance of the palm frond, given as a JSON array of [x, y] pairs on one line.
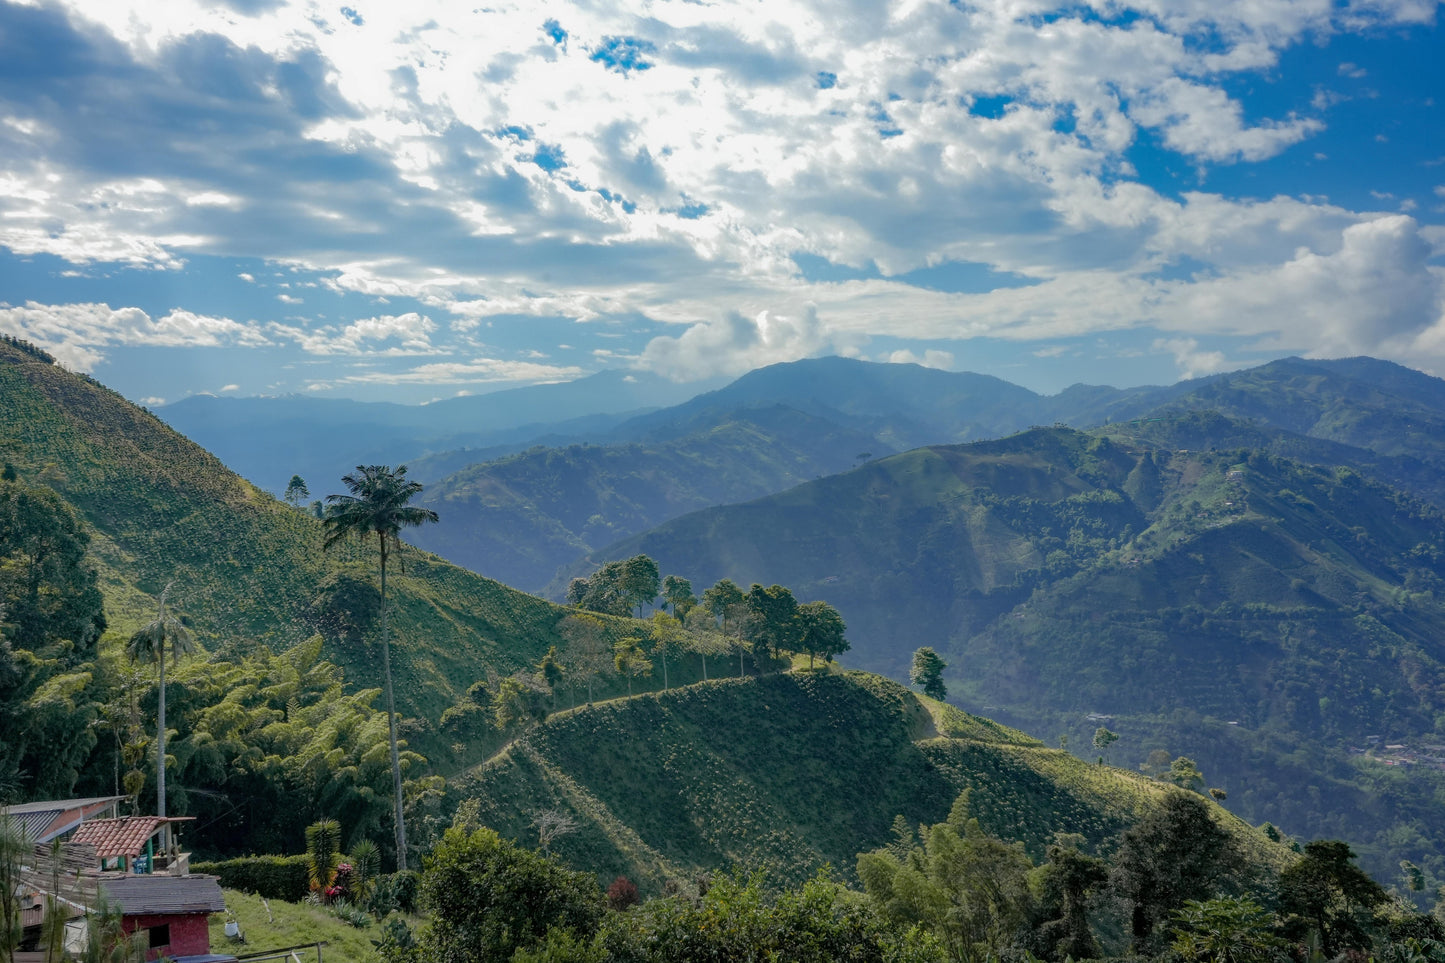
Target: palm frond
[[163, 635]]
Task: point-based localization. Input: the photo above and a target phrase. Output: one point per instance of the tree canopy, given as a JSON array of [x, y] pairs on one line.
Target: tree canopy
[[927, 673]]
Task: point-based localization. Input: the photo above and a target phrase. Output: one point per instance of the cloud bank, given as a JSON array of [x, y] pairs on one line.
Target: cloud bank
[[659, 173]]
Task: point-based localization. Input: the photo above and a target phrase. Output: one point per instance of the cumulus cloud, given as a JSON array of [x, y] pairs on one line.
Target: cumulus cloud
[[1375, 294], [392, 335], [733, 344], [78, 334], [1192, 361], [664, 163], [931, 358]]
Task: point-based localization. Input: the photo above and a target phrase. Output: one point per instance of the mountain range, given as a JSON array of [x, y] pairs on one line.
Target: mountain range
[[256, 724]]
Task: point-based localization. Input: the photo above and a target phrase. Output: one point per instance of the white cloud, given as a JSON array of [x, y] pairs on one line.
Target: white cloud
[[931, 358], [392, 335], [1375, 294], [734, 344], [1192, 362], [476, 371], [1204, 122], [470, 162], [77, 334]]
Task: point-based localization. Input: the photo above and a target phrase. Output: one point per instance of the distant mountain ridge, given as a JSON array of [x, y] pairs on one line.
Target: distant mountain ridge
[[520, 517], [1319, 411], [523, 517], [269, 439]]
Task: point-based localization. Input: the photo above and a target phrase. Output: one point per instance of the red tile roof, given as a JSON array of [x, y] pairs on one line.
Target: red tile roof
[[125, 836]]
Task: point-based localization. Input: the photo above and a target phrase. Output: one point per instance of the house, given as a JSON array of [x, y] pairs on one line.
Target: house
[[117, 860], [173, 911], [40, 822]]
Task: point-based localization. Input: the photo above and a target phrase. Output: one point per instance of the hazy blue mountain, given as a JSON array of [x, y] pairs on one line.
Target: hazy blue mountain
[[267, 440], [520, 518], [902, 405]]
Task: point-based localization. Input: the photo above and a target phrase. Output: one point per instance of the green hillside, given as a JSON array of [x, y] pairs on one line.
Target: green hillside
[[248, 569], [521, 518], [791, 772], [1065, 574], [938, 534], [1373, 415], [1384, 407]]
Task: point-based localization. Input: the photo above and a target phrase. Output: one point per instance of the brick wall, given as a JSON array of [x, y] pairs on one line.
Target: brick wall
[[190, 934]]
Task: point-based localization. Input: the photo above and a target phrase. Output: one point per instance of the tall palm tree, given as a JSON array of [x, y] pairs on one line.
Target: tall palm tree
[[153, 642], [377, 505]]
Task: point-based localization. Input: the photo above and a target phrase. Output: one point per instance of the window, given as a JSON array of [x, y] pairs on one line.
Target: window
[[160, 936]]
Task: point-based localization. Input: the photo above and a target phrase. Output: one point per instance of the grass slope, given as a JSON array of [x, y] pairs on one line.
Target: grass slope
[[275, 924], [790, 771], [245, 566]]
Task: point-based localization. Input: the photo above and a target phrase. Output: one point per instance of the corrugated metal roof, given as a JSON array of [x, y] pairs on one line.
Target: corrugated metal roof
[[60, 804], [32, 824], [143, 895], [44, 820]]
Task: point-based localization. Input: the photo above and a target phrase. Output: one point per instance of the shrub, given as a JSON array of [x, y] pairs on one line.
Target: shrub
[[488, 898], [622, 893], [274, 877]]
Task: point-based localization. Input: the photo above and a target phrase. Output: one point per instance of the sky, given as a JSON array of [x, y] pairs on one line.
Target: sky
[[413, 201]]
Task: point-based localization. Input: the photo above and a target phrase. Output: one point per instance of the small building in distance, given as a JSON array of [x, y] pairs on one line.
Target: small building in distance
[[173, 911]]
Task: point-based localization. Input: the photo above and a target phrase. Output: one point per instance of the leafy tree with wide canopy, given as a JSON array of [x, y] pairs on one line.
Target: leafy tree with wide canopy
[[1325, 893], [489, 898], [821, 631], [296, 491], [630, 660], [678, 592], [1175, 854], [376, 504], [775, 628], [641, 581], [729, 606]]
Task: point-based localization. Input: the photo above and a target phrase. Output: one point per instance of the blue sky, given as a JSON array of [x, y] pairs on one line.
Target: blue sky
[[413, 201]]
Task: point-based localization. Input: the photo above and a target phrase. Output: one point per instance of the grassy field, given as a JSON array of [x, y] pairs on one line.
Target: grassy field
[[273, 924]]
